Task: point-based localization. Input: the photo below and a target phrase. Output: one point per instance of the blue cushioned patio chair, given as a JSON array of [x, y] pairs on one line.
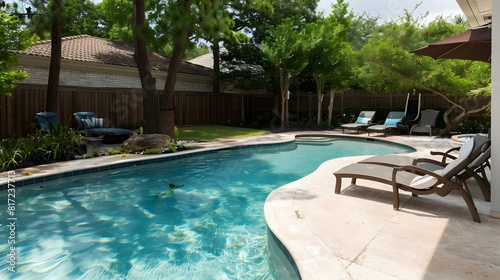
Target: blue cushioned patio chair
[[47, 120], [364, 120], [391, 123], [90, 125]]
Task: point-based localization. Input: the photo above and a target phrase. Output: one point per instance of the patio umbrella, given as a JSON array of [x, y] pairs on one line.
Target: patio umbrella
[[473, 44]]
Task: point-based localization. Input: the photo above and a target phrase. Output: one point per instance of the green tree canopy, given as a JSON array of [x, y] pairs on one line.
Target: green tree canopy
[[286, 51], [77, 18], [13, 37], [386, 65], [256, 19], [330, 52]]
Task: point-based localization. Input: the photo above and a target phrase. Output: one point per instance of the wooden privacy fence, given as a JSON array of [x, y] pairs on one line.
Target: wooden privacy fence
[[123, 107]]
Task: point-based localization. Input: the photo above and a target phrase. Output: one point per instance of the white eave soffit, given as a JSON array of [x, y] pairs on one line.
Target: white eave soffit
[[477, 12]]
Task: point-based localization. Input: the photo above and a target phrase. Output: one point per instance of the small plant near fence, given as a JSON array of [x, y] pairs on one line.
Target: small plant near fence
[[60, 143]]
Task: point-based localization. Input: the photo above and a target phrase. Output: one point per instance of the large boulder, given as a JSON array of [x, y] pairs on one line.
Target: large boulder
[[140, 143]]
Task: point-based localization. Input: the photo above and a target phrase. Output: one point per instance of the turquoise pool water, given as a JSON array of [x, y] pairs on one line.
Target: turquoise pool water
[[126, 224]]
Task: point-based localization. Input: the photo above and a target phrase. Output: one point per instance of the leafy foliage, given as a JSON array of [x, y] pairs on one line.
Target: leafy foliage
[[38, 148], [77, 17], [387, 65], [286, 50], [12, 38]]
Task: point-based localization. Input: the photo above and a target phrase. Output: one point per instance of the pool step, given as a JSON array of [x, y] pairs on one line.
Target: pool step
[[314, 140]]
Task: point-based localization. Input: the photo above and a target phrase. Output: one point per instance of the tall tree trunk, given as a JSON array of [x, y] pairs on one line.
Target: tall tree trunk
[[284, 77], [330, 107], [55, 58], [319, 85], [167, 110], [216, 54], [320, 102], [148, 82]]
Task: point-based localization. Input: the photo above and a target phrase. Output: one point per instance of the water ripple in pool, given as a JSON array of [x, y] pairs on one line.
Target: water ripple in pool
[[127, 224]]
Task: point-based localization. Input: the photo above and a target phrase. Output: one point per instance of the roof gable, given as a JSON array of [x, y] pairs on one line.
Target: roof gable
[[103, 51]]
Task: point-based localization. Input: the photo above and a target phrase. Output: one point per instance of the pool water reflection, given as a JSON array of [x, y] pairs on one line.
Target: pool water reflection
[[126, 223]]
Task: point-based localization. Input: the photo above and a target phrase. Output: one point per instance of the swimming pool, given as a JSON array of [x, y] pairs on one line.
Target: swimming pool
[[126, 223]]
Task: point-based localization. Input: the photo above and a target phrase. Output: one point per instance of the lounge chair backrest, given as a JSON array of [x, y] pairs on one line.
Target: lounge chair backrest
[[428, 118], [469, 151], [412, 110], [482, 158], [394, 118], [47, 120], [79, 116], [365, 117]]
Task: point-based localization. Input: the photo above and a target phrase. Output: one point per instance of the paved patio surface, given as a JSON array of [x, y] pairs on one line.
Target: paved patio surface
[[356, 234]]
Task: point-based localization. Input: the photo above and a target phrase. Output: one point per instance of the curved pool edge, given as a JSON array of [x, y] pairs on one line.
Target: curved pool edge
[[48, 172], [310, 259], [287, 208]]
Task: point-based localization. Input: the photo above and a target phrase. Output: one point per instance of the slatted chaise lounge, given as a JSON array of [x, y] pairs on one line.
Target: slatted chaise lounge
[[427, 122], [476, 169], [391, 123], [364, 120], [415, 179]]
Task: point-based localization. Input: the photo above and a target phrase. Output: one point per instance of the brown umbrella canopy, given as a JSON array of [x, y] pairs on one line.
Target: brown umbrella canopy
[[473, 44]]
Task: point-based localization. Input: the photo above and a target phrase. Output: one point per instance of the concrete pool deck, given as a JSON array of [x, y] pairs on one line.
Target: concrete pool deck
[[356, 234]]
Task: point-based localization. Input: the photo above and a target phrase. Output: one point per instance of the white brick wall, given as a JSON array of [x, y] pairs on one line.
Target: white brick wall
[[39, 75]]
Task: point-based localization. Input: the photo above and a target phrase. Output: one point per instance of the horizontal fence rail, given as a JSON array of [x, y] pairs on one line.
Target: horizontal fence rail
[[123, 107]]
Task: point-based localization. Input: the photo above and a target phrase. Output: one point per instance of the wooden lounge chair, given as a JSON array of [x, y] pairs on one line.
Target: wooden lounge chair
[[391, 123], [364, 120], [415, 179], [476, 169], [427, 122]]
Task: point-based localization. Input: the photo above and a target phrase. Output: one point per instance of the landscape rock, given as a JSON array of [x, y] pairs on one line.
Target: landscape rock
[[142, 142]]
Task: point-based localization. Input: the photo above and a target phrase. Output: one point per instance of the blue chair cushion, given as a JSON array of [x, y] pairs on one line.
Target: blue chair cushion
[[392, 122], [362, 120]]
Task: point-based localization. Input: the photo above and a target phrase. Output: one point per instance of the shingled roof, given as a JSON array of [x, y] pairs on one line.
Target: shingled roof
[[103, 51]]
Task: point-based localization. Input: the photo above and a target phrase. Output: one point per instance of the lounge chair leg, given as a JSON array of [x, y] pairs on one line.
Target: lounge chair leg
[[485, 189], [465, 193], [395, 198], [471, 205], [338, 184]]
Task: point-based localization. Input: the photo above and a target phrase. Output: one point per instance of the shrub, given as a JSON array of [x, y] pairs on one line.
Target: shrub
[[153, 151], [40, 147], [115, 151], [470, 125]]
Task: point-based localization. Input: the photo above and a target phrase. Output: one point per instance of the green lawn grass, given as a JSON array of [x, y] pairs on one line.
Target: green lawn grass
[[202, 133]]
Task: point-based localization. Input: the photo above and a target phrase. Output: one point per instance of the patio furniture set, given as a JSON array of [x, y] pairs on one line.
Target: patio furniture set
[[393, 122]]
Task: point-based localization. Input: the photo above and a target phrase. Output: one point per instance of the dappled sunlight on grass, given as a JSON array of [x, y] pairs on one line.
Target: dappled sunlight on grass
[[216, 132]]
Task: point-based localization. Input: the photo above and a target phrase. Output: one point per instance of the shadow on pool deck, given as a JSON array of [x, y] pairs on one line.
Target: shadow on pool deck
[[357, 234]]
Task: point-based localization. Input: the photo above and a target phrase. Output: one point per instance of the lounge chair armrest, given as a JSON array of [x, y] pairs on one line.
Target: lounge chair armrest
[[428, 160], [446, 155], [454, 149]]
